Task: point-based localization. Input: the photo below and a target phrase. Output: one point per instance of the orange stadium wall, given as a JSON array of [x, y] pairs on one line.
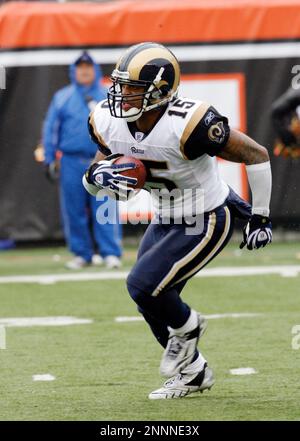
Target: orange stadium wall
[[236, 54]]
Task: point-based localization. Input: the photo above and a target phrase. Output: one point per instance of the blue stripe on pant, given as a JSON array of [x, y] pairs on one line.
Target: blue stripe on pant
[[167, 258]]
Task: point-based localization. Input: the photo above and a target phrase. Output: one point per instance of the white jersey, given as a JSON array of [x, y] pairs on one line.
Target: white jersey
[[178, 154]]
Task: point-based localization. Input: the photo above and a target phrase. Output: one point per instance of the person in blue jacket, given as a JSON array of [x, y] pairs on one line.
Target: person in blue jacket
[[65, 131]]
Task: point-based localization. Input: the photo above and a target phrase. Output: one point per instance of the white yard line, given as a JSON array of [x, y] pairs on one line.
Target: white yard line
[[208, 317], [282, 270], [43, 377], [243, 371], [67, 277], [24, 322]]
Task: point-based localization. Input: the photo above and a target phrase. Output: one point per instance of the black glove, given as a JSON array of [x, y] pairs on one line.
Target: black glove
[[257, 233], [52, 171]]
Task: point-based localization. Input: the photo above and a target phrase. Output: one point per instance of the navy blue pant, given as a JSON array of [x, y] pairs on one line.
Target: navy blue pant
[[168, 257]]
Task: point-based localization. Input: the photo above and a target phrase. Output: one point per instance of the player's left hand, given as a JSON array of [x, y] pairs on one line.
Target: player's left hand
[[257, 233]]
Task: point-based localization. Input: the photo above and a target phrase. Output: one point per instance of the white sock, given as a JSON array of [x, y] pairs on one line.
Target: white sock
[[196, 366], [189, 325]]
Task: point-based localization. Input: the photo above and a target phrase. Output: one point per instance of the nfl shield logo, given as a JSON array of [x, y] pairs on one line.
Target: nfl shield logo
[[139, 136]]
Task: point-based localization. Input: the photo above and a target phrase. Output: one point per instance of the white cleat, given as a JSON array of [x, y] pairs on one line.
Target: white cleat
[[112, 262], [184, 384], [77, 263], [180, 350]]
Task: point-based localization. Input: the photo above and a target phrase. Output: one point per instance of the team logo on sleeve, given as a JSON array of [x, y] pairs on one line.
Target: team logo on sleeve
[[216, 132]]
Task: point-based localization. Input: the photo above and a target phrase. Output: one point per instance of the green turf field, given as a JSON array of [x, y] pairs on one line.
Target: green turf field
[[104, 370]]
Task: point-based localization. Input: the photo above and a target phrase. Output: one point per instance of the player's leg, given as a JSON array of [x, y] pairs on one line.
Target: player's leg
[[196, 376], [158, 325], [217, 231], [172, 259], [184, 339], [153, 280], [159, 328], [74, 201]]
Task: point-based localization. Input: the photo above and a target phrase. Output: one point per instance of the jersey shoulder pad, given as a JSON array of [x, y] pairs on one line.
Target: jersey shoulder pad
[[184, 113], [182, 109], [205, 131], [98, 124]]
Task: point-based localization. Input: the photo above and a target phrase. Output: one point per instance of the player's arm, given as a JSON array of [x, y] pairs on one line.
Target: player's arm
[[241, 148], [209, 133], [99, 157], [103, 149], [103, 174]]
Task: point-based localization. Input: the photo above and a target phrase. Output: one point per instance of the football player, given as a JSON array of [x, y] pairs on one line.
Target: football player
[[178, 139]]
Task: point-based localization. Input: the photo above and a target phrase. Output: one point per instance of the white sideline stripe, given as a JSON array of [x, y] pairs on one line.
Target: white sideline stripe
[[70, 277], [24, 322], [208, 317], [283, 270], [43, 377], [129, 319], [233, 315], [56, 57], [243, 371]]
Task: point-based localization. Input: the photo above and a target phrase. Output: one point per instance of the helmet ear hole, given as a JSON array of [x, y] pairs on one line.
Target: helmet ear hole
[[164, 90], [160, 93], [156, 94]]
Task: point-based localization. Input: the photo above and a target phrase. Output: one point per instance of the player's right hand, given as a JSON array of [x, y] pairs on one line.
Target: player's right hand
[[106, 175], [257, 233]]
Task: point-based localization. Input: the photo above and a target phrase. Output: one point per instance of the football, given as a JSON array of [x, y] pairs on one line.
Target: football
[[139, 172]]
